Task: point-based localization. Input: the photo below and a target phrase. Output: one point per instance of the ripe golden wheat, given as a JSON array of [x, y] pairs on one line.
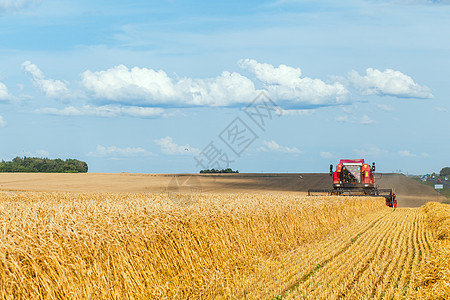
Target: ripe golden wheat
[[104, 245], [435, 275]]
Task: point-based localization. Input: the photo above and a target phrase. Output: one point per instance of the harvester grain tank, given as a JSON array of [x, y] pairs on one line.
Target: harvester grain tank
[[353, 177]]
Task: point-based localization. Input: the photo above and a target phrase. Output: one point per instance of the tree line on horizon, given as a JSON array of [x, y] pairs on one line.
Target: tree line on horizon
[[214, 171], [445, 171], [43, 165]]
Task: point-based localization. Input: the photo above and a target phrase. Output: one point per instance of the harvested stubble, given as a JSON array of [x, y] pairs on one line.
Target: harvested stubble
[[103, 245], [374, 258], [435, 275]]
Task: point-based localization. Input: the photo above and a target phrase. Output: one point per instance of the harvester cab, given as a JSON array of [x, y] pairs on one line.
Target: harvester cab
[[353, 177], [353, 173]]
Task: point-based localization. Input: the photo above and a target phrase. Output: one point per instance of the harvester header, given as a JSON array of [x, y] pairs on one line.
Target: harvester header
[[353, 177]]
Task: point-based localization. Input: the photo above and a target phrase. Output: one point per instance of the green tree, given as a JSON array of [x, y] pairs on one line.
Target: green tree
[[43, 165], [445, 171]]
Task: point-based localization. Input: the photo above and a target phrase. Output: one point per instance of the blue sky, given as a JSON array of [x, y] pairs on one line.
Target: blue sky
[[161, 86]]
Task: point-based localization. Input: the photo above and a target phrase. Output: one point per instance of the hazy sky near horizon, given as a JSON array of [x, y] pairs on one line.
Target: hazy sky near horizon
[[259, 86]]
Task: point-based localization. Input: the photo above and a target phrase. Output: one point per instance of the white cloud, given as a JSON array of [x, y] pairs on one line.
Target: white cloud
[[142, 85], [267, 73], [13, 5], [388, 83], [2, 122], [168, 146], [364, 120], [273, 146], [386, 107], [52, 88], [295, 112], [226, 89], [285, 83], [145, 87], [326, 155], [4, 94], [406, 153], [442, 109], [121, 83], [113, 151], [105, 111]]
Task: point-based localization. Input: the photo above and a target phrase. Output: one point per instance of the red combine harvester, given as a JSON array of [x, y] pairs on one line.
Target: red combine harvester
[[353, 177]]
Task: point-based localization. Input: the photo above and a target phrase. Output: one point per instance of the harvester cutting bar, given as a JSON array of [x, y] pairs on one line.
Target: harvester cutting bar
[[352, 192], [320, 192], [374, 192], [384, 192]]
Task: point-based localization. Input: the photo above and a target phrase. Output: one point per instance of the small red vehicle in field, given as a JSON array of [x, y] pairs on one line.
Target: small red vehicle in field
[[353, 177]]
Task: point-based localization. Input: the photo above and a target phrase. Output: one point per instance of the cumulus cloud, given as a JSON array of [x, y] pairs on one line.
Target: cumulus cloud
[[168, 146], [388, 83], [105, 111], [122, 83], [272, 146], [286, 83], [4, 94], [142, 85], [145, 87], [2, 122], [267, 73], [113, 151], [52, 88]]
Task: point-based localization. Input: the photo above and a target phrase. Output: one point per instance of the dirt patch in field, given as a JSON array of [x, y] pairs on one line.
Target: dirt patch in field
[[410, 193]]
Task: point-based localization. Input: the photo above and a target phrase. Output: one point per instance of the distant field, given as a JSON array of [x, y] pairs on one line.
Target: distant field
[[410, 193]]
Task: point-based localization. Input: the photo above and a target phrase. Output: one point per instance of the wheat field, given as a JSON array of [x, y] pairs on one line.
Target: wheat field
[[253, 246]]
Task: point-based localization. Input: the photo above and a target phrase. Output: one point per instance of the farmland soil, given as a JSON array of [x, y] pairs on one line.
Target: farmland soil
[[410, 193]]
